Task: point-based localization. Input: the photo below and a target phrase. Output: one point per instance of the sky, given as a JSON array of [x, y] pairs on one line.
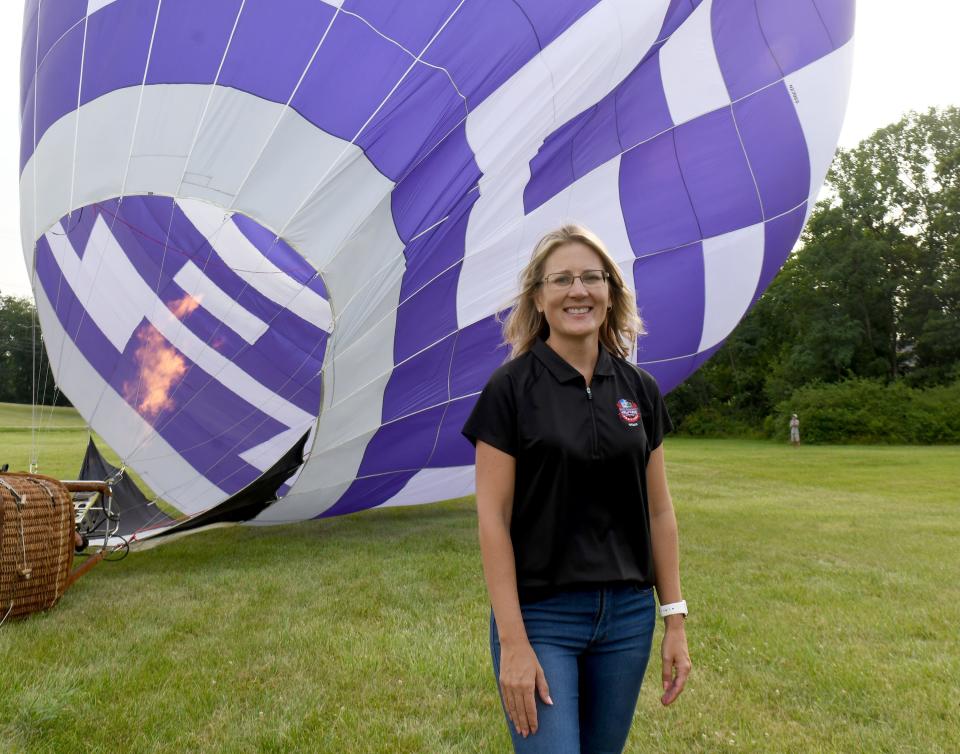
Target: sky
[[907, 57]]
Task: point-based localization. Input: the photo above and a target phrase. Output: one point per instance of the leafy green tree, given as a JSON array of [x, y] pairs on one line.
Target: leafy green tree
[[901, 186], [22, 356]]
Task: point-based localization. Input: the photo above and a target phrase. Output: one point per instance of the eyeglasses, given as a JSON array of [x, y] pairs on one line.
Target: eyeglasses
[[563, 280]]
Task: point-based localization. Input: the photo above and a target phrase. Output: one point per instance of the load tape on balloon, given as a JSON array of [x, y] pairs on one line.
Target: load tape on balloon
[[247, 221]]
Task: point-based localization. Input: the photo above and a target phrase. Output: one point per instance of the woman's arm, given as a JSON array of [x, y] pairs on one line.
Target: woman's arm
[[520, 672], [666, 563]]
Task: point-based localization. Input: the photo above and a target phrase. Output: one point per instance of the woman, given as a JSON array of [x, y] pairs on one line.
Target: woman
[[575, 517]]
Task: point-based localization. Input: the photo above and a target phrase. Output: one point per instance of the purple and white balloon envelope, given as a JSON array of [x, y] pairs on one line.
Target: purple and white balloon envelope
[[247, 220]]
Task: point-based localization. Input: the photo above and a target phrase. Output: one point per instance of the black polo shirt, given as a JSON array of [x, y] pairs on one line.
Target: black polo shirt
[[580, 516]]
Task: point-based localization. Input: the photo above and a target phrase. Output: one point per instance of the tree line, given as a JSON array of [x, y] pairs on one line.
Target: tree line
[[870, 297], [867, 303]]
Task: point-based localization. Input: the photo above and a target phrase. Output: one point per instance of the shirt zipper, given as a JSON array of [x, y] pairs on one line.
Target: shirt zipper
[[593, 419]]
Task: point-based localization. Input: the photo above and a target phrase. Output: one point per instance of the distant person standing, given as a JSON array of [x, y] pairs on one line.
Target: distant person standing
[[794, 431]]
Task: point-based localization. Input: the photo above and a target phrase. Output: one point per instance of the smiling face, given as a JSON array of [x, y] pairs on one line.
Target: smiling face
[[576, 312]]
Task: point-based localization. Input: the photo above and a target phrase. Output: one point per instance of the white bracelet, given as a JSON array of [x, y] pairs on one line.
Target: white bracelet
[[673, 608]]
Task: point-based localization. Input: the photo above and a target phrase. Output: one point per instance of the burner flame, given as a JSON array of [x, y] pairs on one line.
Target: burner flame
[[160, 367]]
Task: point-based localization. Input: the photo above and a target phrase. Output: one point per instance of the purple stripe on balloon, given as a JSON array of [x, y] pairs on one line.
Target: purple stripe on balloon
[[742, 52], [794, 31], [774, 142], [118, 37], [670, 297], [483, 46], [58, 80], [190, 40], [439, 187], [419, 382], [656, 207], [838, 16], [678, 12], [403, 444], [551, 170], [215, 423], [353, 72], [453, 449], [479, 351], [642, 110], [146, 230], [269, 53], [780, 236], [704, 356], [56, 19], [634, 111], [28, 54], [426, 316], [436, 252], [550, 18], [424, 109], [26, 129], [70, 312], [716, 174], [669, 374], [598, 140], [367, 493], [78, 225], [281, 254], [412, 27]]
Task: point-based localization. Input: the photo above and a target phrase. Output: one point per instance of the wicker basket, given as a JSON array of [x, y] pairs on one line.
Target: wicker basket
[[36, 542]]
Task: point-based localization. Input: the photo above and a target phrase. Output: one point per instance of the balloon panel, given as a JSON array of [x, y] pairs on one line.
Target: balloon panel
[[317, 209]]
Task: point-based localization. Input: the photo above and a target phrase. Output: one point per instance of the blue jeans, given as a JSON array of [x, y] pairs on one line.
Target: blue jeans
[[593, 646]]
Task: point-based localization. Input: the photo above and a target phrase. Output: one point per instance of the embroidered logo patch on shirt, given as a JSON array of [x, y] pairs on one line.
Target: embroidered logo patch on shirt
[[629, 412]]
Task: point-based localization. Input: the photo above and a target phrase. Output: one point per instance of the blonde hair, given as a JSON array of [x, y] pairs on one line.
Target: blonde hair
[[524, 324]]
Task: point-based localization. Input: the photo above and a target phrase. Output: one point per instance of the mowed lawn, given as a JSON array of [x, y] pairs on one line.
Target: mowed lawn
[[824, 584]]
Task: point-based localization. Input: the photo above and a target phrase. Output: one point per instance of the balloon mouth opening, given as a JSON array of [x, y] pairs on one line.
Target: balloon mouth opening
[[202, 331]]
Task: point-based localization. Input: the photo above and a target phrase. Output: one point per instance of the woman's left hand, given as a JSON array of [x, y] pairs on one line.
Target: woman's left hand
[[676, 660]]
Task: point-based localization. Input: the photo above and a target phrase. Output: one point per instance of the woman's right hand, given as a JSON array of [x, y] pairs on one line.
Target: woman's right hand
[[520, 674]]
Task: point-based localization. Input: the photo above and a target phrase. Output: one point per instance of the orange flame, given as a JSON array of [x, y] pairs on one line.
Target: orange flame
[[161, 367], [184, 306]]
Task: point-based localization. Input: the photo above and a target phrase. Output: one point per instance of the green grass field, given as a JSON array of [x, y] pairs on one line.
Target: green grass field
[[61, 440], [824, 584]]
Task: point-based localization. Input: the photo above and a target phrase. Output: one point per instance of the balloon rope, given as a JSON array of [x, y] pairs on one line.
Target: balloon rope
[[76, 124], [34, 378], [35, 438]]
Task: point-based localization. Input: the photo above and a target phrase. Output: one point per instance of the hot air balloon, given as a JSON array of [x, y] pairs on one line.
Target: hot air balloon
[[262, 226]]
